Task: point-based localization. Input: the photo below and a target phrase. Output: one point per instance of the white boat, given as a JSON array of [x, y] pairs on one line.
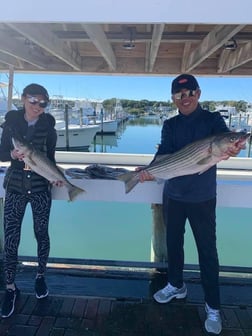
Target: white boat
[[4, 106], [108, 126], [239, 122], [4, 100], [79, 136]]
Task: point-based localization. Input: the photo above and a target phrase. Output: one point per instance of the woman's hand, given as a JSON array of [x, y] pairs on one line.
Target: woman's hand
[[16, 155], [58, 183]]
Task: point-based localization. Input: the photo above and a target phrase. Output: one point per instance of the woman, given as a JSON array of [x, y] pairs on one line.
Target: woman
[[23, 186]]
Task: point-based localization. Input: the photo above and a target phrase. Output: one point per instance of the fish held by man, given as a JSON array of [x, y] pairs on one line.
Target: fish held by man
[[41, 165], [196, 157]]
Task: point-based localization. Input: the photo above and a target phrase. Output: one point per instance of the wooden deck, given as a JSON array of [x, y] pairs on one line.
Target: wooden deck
[[108, 303]]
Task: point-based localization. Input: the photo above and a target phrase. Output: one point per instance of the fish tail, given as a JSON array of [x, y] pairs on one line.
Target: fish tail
[[130, 180], [74, 191]]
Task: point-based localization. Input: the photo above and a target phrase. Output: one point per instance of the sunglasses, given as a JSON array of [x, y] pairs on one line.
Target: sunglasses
[[184, 94], [34, 101]]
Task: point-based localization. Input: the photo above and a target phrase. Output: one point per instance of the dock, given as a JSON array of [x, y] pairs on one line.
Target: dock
[[102, 301]]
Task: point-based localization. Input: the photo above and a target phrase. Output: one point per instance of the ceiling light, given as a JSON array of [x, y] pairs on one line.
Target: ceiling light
[[129, 43], [230, 45], [129, 46]]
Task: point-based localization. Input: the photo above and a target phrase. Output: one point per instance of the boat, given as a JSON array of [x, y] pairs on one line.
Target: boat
[[107, 121], [4, 104], [236, 121], [108, 126], [57, 108], [240, 122], [4, 100], [75, 136]]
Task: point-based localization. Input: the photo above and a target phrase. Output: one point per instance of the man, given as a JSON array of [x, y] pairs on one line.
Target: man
[[191, 197]]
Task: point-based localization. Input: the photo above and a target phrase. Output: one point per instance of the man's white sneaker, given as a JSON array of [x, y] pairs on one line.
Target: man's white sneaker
[[213, 321], [170, 292]]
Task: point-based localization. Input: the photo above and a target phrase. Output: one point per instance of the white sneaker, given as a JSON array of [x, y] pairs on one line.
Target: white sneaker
[[213, 322], [170, 292]]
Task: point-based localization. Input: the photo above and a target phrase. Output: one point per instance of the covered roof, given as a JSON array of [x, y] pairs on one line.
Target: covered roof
[[126, 48], [138, 37]]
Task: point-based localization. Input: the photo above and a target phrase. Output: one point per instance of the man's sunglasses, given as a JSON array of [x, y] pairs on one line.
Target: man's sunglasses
[[33, 100], [184, 94]]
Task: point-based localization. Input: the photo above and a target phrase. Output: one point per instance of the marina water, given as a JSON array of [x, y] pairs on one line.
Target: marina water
[[123, 231]]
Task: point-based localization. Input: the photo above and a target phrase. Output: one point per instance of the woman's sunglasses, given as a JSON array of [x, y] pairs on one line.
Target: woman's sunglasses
[[33, 101]]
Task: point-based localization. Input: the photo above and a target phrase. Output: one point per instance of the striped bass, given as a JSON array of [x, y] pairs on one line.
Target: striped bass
[[196, 157], [40, 164]]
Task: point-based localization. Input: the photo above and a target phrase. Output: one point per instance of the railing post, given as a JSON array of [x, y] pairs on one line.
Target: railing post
[[158, 248], [67, 126]]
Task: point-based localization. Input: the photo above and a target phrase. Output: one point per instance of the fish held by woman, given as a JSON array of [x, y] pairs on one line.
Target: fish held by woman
[[41, 165], [196, 157]]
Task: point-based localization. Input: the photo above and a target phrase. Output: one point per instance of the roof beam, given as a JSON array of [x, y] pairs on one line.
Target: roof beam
[[42, 36], [17, 49], [171, 37], [211, 43], [155, 43], [8, 59], [186, 50], [230, 60], [99, 39], [147, 49]]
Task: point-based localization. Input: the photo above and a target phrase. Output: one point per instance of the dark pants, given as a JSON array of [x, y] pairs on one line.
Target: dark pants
[[202, 219], [14, 210]]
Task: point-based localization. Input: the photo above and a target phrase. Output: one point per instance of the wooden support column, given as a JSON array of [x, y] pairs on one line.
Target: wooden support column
[[158, 248], [10, 87]]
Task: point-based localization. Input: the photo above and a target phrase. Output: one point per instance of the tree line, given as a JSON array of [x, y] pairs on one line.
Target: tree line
[[139, 107], [143, 106]]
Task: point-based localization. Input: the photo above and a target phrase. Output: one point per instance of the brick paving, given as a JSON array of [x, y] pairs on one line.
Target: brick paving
[[85, 305], [60, 315]]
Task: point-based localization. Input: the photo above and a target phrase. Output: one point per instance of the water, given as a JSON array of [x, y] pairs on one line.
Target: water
[[138, 136], [122, 231]]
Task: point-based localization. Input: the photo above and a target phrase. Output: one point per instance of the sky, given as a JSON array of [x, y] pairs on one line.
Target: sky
[[131, 87]]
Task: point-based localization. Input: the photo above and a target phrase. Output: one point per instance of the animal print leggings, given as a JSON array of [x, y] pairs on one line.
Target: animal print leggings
[[14, 210]]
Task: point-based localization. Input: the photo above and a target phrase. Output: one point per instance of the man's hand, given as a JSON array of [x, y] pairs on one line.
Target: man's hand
[[234, 151], [144, 175]]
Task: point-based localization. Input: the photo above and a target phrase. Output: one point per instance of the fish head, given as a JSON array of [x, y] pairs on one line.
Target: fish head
[[231, 142], [20, 145]]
